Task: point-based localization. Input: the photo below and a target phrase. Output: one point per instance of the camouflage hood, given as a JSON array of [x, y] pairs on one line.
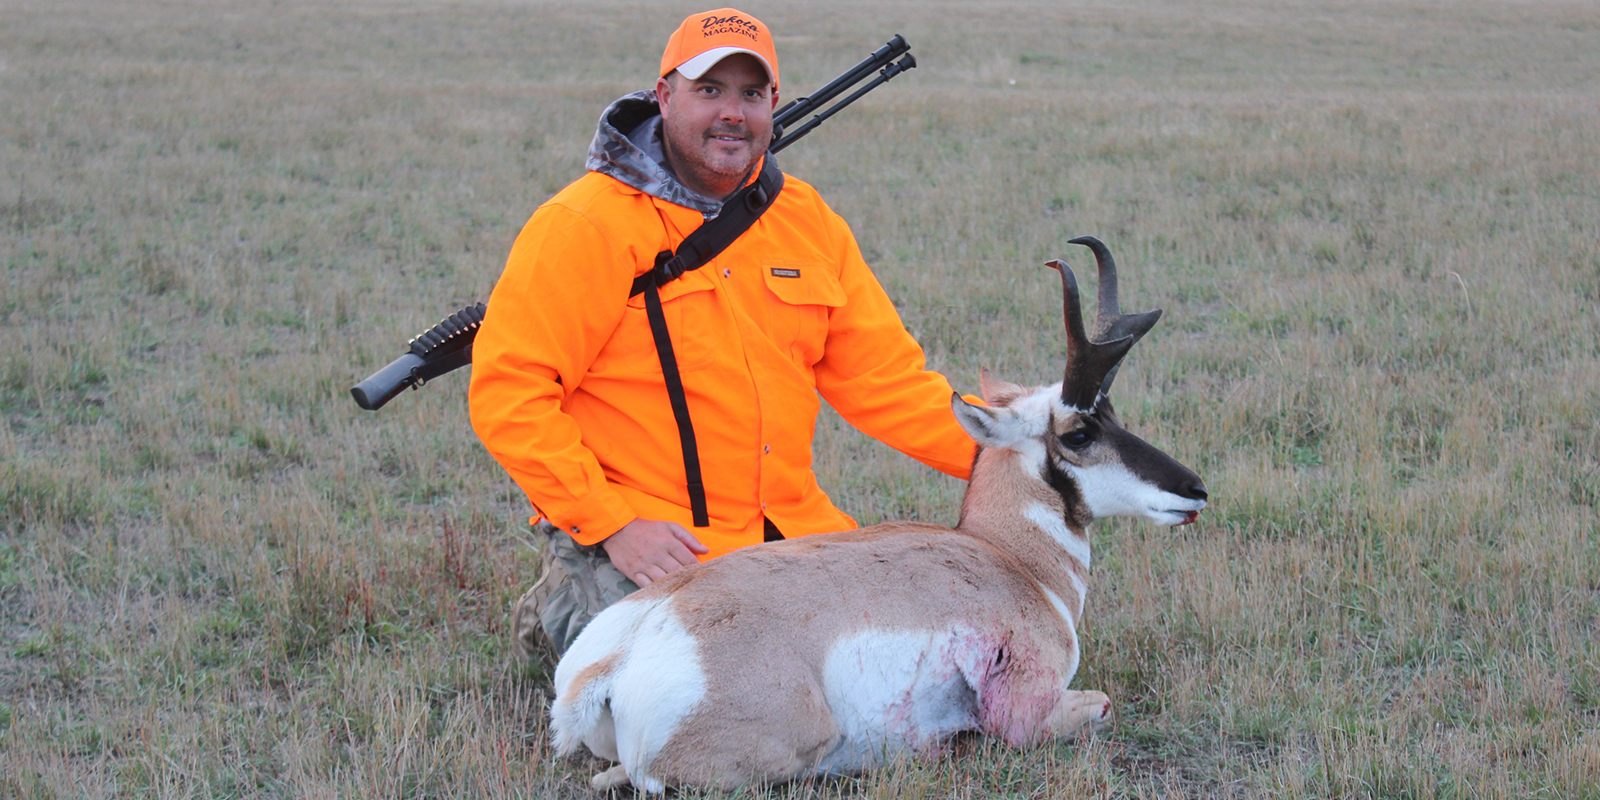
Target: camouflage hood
[[628, 147]]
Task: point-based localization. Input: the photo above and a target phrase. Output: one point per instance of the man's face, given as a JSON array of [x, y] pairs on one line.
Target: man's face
[[717, 126]]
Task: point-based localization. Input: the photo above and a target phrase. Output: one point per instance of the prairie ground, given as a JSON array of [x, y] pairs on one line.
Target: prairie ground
[[1374, 227]]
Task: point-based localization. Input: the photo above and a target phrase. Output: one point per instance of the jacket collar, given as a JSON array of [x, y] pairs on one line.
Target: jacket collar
[[627, 147]]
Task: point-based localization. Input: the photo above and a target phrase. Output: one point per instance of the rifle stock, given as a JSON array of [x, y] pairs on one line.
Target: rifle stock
[[443, 348]]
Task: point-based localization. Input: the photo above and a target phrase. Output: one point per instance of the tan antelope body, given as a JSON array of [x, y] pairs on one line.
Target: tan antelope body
[[826, 654]]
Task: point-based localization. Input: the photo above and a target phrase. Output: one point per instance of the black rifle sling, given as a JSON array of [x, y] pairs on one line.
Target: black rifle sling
[[706, 242]]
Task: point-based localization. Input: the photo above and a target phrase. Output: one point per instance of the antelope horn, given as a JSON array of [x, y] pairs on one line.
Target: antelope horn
[[1070, 307], [1110, 323], [1088, 362]]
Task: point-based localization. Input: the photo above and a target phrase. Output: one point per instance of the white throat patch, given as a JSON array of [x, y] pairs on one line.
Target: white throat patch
[[1051, 522]]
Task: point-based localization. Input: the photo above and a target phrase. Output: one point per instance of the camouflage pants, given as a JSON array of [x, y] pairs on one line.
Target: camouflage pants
[[576, 583]]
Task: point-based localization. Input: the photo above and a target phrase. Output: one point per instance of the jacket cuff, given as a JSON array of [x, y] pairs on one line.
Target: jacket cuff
[[593, 518]]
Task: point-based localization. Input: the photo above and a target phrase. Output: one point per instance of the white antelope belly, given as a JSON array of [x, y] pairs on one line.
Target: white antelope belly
[[895, 691]]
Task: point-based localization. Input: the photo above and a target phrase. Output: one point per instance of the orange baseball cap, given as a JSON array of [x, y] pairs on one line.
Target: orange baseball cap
[[710, 36]]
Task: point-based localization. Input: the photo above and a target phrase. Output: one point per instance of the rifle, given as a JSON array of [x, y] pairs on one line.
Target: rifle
[[448, 346]]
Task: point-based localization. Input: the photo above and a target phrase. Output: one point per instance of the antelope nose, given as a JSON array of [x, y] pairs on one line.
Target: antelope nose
[[1193, 491]]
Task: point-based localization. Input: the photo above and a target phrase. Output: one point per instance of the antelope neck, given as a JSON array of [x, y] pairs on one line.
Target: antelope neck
[[1030, 521]]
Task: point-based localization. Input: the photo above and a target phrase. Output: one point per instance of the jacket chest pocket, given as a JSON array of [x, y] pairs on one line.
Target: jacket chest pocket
[[807, 293], [693, 317]]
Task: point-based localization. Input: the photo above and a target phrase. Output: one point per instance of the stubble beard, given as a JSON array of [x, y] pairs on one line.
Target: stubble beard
[[705, 166]]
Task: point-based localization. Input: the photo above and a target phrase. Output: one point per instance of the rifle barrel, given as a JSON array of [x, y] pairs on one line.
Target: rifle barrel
[[797, 109], [889, 72]]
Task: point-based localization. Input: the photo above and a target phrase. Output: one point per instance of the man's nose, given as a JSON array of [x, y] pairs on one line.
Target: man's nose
[[731, 110]]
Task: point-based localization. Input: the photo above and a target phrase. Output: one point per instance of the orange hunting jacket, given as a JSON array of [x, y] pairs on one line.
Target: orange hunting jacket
[[567, 392]]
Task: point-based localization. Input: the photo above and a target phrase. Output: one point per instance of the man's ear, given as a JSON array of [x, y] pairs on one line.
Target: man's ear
[[663, 93]]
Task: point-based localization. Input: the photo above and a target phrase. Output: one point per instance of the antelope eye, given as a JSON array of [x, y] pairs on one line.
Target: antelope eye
[[1076, 439]]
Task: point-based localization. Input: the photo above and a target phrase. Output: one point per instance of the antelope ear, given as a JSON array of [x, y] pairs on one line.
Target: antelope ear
[[990, 426], [996, 391]]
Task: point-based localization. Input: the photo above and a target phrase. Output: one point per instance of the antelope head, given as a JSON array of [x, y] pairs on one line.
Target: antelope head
[[1070, 435]]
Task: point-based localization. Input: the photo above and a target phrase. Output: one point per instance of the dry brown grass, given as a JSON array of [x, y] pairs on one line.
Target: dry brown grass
[[1375, 227]]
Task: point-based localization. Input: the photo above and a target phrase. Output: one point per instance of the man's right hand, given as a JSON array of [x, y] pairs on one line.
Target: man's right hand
[[646, 550]]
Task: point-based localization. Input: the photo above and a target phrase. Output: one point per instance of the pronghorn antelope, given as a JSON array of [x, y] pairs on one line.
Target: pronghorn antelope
[[826, 654]]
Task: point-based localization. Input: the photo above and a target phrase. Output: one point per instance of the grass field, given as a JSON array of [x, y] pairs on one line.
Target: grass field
[[1374, 227]]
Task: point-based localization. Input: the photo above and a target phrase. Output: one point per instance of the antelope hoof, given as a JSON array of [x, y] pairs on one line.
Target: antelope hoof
[[614, 778], [1102, 719], [1083, 713]]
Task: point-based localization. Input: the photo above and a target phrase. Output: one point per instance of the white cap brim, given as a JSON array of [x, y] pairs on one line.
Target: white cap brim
[[697, 66]]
